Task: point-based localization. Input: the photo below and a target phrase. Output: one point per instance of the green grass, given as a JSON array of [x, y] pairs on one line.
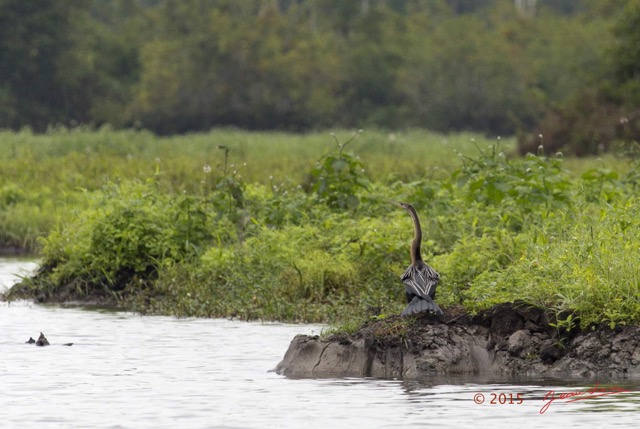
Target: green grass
[[81, 157], [45, 177], [303, 231]]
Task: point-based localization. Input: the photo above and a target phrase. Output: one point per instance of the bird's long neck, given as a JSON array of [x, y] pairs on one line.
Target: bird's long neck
[[417, 237]]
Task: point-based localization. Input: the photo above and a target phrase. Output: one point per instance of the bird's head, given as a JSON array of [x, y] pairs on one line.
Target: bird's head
[[405, 206], [408, 207]]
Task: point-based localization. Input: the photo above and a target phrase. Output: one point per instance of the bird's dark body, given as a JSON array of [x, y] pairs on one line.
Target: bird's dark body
[[420, 280], [420, 283]]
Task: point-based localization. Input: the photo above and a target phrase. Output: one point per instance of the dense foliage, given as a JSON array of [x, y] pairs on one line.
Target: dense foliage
[[177, 66], [497, 228]]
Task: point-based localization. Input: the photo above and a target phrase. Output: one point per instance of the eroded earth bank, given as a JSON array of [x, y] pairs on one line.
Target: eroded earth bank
[[508, 339]]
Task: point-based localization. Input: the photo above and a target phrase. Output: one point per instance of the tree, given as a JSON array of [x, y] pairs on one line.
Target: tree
[[461, 76], [33, 34], [626, 55], [371, 60], [59, 64], [218, 64]]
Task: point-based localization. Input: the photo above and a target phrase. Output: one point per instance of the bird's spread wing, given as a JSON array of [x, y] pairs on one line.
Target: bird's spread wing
[[421, 281]]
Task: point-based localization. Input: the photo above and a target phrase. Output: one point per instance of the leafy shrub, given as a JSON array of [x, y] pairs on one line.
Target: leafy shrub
[[301, 273], [472, 256], [601, 184], [590, 269], [535, 184], [280, 204], [337, 177], [131, 231]]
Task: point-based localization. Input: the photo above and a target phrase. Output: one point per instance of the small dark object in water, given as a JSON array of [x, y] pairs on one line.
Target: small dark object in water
[[42, 340]]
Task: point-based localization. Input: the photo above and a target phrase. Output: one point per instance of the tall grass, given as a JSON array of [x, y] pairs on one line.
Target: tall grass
[[94, 155]]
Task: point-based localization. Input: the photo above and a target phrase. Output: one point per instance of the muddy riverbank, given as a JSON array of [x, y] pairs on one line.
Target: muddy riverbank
[[508, 339]]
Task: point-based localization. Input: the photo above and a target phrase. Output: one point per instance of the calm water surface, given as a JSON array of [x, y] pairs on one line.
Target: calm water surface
[[130, 371]]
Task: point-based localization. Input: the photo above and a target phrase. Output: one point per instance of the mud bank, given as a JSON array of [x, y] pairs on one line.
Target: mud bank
[[509, 339]]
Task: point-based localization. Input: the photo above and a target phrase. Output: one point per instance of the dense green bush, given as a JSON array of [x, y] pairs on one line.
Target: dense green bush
[[590, 267], [497, 229], [519, 189], [337, 178], [129, 232]]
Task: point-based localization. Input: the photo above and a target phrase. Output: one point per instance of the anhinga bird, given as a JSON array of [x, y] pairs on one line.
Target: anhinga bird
[[420, 280]]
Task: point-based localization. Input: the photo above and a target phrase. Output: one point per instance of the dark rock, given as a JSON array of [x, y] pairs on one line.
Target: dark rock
[[495, 342], [504, 320], [491, 344], [518, 341], [551, 351], [531, 327], [31, 341]]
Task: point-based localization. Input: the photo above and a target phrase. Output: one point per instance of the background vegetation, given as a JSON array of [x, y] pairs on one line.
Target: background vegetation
[[569, 67], [213, 221], [199, 226]]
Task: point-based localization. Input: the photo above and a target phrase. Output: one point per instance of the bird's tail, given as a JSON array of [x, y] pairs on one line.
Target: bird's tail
[[419, 305]]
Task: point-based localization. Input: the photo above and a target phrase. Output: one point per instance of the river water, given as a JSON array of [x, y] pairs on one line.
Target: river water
[[130, 371]]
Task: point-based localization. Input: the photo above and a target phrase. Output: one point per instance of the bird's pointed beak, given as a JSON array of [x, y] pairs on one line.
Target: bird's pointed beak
[[395, 203]]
